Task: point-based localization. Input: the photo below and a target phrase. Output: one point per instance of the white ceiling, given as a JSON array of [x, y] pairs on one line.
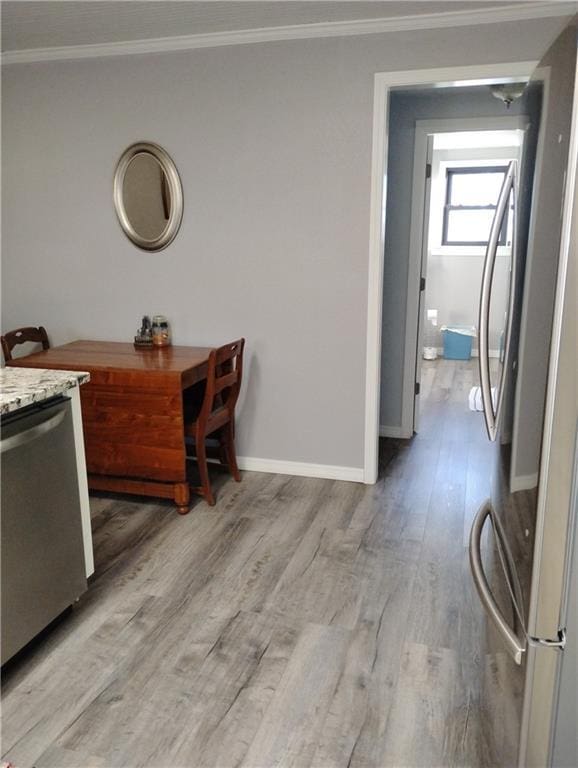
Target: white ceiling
[[49, 24]]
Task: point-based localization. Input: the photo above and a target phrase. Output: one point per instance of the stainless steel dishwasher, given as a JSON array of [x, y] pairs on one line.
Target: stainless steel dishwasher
[[42, 550]]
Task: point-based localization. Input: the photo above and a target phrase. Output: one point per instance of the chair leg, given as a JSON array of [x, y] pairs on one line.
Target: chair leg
[[204, 472], [227, 441]]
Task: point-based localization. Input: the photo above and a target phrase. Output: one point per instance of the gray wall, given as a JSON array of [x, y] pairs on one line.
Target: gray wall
[[405, 108], [273, 143]]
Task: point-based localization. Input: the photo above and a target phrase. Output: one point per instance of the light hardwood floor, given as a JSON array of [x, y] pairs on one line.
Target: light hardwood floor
[[299, 622]]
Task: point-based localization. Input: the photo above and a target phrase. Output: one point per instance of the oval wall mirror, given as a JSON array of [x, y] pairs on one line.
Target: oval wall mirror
[[148, 196]]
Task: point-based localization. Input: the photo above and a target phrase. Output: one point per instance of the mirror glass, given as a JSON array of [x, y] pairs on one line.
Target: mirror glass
[[148, 196]]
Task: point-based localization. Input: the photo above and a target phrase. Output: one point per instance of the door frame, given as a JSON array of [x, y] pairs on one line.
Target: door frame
[[384, 82], [419, 229]]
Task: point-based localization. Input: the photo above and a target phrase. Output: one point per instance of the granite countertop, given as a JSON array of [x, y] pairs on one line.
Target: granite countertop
[[20, 387]]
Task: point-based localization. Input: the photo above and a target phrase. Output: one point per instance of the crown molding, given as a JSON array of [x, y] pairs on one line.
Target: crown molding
[[513, 12]]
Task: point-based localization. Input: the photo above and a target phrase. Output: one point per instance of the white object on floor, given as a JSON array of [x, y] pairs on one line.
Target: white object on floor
[[475, 398], [430, 353]]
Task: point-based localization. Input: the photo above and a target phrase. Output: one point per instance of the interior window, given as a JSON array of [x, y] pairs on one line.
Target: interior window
[[471, 199]]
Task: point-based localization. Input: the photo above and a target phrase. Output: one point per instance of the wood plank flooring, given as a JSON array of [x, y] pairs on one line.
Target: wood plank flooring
[[299, 622]]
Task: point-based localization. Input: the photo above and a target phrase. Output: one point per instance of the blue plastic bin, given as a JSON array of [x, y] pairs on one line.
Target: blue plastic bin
[[458, 342]]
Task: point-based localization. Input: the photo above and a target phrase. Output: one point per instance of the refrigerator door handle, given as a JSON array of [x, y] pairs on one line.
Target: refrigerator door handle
[[512, 641], [491, 411], [509, 568]]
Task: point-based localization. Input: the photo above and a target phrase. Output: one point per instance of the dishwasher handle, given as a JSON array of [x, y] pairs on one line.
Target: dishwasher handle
[[31, 434]]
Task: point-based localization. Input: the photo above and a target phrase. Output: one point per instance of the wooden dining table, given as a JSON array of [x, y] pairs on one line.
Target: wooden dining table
[[132, 412]]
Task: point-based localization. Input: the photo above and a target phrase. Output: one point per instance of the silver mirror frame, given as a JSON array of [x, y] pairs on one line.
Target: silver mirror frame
[[175, 189]]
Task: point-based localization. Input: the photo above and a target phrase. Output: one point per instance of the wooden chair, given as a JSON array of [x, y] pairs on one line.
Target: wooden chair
[[21, 336], [216, 414]]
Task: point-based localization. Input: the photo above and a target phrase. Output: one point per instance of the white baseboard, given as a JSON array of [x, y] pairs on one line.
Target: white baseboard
[[523, 482], [394, 432], [301, 469]]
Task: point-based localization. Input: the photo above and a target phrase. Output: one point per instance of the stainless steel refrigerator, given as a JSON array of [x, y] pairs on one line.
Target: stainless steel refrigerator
[[521, 541]]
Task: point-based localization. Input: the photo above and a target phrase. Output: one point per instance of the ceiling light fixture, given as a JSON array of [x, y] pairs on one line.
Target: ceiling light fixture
[[507, 92]]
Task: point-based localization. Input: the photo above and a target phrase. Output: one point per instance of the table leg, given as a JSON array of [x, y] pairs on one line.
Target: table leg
[[182, 496]]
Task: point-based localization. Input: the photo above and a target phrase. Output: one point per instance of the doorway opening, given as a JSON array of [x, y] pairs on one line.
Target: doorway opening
[[464, 173], [402, 362]]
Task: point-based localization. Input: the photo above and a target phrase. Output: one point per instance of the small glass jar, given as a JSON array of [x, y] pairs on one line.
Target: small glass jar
[[161, 331]]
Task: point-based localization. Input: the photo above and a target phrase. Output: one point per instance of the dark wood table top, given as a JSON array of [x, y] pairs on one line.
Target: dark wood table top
[[188, 363]]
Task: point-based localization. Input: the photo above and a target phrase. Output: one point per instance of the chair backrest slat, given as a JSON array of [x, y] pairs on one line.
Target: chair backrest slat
[[11, 339], [227, 380], [224, 375]]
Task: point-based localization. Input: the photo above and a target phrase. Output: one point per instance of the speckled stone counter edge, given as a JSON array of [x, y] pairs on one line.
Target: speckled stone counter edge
[[20, 387]]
